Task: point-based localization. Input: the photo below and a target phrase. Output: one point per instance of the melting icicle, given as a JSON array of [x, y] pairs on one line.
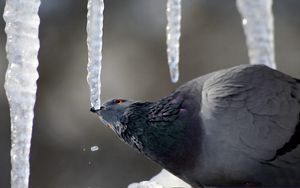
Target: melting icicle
[[94, 42], [173, 36], [22, 22], [258, 26]]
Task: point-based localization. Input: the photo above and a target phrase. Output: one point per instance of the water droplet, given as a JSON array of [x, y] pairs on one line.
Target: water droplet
[[94, 148]]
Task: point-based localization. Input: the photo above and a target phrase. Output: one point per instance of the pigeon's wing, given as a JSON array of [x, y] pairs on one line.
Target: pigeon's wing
[[254, 109]]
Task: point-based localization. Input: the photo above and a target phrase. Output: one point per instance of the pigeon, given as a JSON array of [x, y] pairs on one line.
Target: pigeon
[[233, 127]]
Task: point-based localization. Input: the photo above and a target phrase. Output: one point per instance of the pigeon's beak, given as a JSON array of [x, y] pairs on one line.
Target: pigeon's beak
[[98, 112]]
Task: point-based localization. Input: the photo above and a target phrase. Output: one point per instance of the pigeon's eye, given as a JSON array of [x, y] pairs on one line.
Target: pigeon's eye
[[119, 101]]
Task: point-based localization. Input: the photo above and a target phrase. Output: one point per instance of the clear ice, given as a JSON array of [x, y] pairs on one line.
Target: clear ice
[[257, 20], [94, 42], [22, 25], [173, 36]]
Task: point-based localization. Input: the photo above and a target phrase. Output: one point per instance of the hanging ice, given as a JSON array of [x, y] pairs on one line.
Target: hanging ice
[[94, 42], [173, 36], [258, 26], [22, 23]]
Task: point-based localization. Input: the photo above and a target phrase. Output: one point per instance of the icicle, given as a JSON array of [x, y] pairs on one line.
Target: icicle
[[257, 20], [94, 42], [22, 23], [173, 36]]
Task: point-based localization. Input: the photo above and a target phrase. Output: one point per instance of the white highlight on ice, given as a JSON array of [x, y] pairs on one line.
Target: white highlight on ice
[[94, 148], [22, 25], [173, 37], [259, 29], [94, 42], [164, 179]]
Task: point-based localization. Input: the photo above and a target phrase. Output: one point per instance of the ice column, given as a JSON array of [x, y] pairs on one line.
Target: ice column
[[257, 19], [94, 42], [173, 36], [22, 23]]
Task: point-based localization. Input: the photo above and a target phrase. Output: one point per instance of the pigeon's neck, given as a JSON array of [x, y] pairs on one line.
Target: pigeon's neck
[[177, 153], [167, 131], [175, 144]]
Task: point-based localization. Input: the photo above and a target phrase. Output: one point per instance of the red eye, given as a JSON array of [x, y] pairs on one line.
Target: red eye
[[119, 101]]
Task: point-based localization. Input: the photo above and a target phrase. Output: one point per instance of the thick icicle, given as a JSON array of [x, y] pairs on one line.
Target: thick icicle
[[257, 19], [22, 23], [173, 36], [94, 42]]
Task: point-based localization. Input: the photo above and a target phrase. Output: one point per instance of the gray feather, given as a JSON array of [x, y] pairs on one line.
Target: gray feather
[[249, 112]]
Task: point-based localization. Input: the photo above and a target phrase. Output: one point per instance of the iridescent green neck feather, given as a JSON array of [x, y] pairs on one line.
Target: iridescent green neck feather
[[167, 131]]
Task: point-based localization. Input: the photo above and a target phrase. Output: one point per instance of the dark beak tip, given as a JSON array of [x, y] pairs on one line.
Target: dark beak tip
[[93, 110], [97, 110]]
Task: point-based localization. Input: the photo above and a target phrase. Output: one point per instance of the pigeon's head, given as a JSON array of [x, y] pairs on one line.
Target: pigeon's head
[[164, 130], [126, 118], [111, 113]]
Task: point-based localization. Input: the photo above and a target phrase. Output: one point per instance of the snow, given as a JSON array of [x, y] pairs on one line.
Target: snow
[[145, 184], [162, 180], [94, 42], [173, 36], [22, 23], [257, 20]]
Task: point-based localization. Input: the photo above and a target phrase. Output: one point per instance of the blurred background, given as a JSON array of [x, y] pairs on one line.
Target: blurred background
[[135, 67]]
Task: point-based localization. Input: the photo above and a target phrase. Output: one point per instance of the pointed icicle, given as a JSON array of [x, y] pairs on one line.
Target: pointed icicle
[[94, 42], [257, 20], [173, 36], [22, 25]]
